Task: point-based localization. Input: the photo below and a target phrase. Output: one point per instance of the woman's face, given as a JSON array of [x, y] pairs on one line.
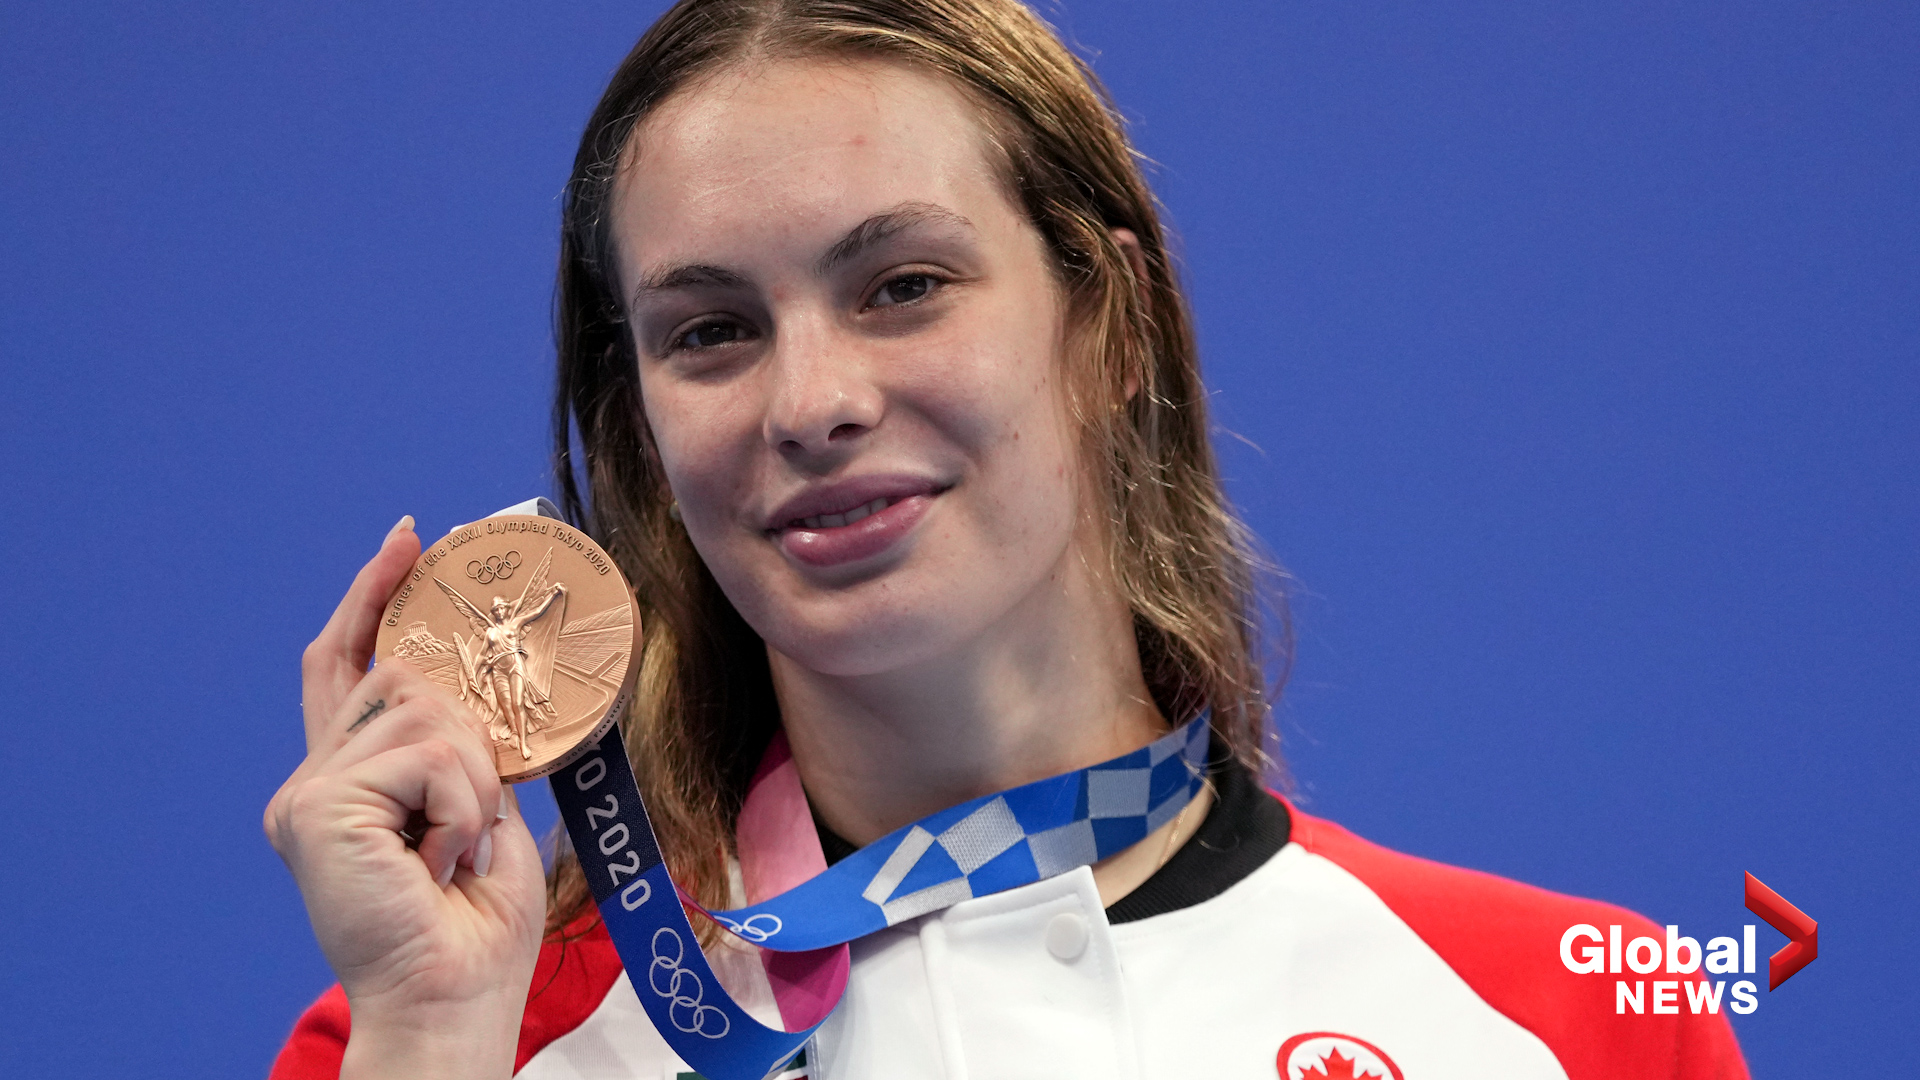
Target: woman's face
[[849, 342]]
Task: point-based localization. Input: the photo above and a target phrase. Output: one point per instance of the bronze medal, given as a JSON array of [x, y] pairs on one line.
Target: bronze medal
[[530, 625]]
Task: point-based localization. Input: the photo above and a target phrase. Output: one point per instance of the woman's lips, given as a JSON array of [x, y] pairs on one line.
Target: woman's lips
[[860, 532]]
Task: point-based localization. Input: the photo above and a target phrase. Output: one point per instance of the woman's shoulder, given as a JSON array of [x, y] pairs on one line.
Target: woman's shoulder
[[1452, 904], [1503, 939]]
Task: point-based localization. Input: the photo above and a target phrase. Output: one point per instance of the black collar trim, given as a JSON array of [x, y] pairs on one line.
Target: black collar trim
[[1245, 827]]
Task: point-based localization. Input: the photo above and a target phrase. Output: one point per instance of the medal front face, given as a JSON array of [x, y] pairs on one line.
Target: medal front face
[[530, 625]]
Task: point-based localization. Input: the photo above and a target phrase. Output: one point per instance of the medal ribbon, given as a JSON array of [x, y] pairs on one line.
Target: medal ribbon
[[981, 846], [805, 912]]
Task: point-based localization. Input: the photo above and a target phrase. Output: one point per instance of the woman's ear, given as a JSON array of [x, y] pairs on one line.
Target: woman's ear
[[1129, 244]]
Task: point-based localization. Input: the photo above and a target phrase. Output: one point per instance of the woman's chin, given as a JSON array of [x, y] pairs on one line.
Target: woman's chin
[[844, 637], [854, 652]]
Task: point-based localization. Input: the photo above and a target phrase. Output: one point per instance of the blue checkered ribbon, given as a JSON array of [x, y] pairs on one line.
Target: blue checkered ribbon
[[986, 845]]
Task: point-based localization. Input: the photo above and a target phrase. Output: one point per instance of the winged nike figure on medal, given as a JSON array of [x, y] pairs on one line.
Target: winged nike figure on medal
[[526, 665]]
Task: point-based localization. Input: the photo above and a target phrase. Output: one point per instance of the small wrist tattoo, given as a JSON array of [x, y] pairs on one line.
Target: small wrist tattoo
[[374, 708]]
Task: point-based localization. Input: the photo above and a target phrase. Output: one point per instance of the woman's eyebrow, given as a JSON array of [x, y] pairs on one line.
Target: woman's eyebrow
[[687, 276], [885, 225]]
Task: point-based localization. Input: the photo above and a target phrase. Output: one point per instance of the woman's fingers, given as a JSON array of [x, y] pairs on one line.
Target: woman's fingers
[[337, 659], [366, 705], [428, 776], [421, 719]]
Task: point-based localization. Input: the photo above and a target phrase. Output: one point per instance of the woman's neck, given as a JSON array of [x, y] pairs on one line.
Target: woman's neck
[[1052, 686]]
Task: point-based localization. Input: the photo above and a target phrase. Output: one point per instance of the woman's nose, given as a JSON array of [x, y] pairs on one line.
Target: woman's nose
[[823, 400]]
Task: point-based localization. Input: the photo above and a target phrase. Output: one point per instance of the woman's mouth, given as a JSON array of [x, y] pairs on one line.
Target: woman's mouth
[[864, 524], [840, 521]]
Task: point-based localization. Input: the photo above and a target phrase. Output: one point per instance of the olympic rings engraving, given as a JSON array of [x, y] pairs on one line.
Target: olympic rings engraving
[[683, 988], [495, 568], [756, 934]]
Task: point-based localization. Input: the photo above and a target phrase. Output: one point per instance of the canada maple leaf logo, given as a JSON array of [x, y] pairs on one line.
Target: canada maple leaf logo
[[1336, 1066], [1329, 1055]]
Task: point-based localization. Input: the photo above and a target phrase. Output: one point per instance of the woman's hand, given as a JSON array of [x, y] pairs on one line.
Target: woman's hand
[[434, 941]]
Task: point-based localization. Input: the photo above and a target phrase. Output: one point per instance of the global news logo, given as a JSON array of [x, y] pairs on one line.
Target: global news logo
[[1585, 950]]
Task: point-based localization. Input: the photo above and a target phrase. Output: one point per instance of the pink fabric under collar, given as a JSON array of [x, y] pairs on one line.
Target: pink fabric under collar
[[779, 848]]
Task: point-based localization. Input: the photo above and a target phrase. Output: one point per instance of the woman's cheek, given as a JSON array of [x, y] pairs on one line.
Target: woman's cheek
[[695, 436]]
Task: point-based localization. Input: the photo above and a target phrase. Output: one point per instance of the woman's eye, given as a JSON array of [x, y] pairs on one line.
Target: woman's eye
[[709, 334], [903, 290]]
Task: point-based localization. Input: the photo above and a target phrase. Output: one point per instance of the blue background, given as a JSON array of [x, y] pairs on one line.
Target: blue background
[[1573, 347]]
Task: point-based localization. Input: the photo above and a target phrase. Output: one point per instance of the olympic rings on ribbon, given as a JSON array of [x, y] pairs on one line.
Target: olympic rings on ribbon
[[686, 1002], [756, 934], [495, 568]]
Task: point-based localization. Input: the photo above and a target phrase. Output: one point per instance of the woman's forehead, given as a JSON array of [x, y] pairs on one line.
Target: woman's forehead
[[801, 148]]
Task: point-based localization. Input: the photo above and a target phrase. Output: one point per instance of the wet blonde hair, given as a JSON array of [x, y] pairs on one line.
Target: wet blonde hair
[[705, 708]]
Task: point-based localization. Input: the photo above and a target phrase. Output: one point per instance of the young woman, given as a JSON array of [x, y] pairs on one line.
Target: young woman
[[885, 399]]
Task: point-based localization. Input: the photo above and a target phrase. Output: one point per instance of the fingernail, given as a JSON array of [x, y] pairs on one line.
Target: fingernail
[[501, 814], [483, 854], [400, 526], [446, 876]]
